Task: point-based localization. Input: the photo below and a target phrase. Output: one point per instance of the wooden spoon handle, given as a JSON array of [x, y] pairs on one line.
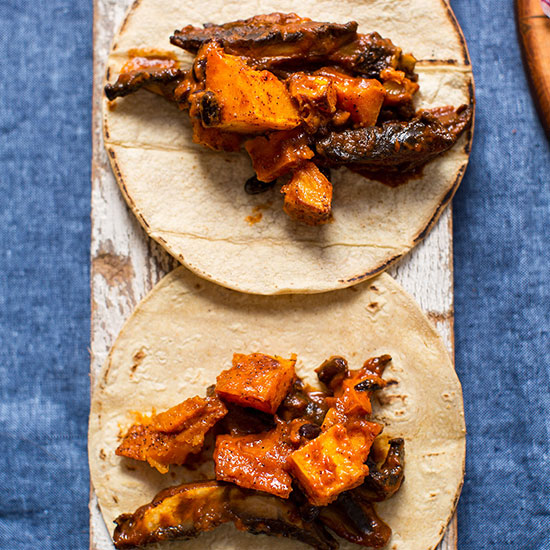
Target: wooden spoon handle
[[534, 31]]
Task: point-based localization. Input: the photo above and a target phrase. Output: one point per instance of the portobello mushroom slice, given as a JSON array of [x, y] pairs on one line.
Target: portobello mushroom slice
[[270, 40], [185, 511], [396, 146], [369, 54], [384, 481], [159, 75], [355, 520]]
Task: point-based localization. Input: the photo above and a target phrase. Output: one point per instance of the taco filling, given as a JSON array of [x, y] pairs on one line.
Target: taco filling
[[289, 460], [301, 97]]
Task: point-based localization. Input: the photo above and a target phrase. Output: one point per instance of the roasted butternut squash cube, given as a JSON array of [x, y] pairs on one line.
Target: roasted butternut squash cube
[[308, 195], [314, 90], [239, 98], [216, 139], [354, 401], [361, 432], [361, 97], [278, 153], [255, 461], [315, 96], [169, 437], [327, 466], [399, 89], [257, 380]]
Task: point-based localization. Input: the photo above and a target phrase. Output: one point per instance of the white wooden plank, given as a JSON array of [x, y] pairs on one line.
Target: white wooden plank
[[126, 263]]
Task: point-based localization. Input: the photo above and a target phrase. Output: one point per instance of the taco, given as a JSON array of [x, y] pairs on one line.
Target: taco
[[183, 334], [191, 199]]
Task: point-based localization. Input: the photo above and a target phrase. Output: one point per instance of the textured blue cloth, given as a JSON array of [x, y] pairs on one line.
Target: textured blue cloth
[[45, 95], [502, 283], [502, 300]]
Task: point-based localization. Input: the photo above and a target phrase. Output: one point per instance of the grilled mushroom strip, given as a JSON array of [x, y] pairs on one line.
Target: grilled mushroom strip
[[282, 41], [354, 519], [158, 74], [185, 511], [397, 146], [369, 54], [384, 482], [271, 40]]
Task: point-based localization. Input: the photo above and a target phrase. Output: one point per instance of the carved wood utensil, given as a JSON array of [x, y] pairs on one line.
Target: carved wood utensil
[[534, 32]]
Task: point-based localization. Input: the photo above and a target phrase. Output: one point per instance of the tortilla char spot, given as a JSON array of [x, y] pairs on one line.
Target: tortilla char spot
[[102, 454], [437, 62], [138, 358], [115, 499]]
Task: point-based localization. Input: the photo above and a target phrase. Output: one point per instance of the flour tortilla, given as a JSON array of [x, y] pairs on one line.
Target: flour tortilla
[[191, 200], [186, 331]]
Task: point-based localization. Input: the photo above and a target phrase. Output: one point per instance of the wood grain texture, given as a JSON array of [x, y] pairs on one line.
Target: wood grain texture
[[534, 33], [126, 263]]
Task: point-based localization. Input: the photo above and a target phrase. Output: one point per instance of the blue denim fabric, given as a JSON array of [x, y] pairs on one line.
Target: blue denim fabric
[[502, 296], [45, 94], [502, 283]]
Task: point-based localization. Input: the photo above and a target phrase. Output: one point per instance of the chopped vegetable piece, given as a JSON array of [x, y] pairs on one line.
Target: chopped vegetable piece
[[308, 195], [361, 432], [384, 481], [315, 96], [255, 461], [158, 74], [355, 520], [271, 39], [215, 139], [169, 437], [278, 153], [399, 89], [241, 99], [327, 466], [257, 380], [184, 511], [361, 97], [353, 389]]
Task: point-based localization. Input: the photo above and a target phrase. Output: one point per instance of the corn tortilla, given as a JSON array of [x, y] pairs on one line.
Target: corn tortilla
[[191, 200], [186, 331]]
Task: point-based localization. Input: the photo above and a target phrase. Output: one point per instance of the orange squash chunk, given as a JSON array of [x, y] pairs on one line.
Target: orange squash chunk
[[244, 99], [308, 195], [399, 89], [255, 461], [353, 394], [327, 466], [361, 97], [216, 139], [257, 380], [315, 96], [361, 432], [278, 153], [169, 437]]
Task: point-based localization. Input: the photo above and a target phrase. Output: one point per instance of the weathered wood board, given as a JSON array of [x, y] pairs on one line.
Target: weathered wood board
[[126, 263]]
